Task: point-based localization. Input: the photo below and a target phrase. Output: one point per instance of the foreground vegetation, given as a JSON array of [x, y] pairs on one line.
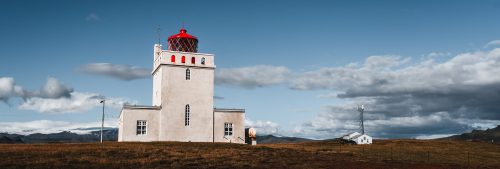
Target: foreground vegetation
[[324, 154]]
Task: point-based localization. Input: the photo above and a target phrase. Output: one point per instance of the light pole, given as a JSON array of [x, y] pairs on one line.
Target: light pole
[[102, 122]]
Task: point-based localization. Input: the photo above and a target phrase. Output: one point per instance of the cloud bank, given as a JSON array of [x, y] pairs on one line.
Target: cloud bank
[[262, 127], [77, 102], [121, 72], [55, 97], [50, 126], [252, 77], [409, 99]]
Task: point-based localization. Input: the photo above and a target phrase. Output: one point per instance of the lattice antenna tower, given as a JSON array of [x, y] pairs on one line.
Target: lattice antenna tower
[[361, 110]]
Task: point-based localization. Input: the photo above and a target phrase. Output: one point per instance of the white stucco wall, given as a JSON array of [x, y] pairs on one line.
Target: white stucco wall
[[128, 124], [238, 120], [157, 79], [363, 139], [177, 92]]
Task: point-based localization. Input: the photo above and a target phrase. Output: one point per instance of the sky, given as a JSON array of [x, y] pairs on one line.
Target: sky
[[422, 69]]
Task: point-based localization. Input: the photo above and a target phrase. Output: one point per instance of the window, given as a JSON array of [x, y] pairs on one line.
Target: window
[[188, 74], [183, 59], [141, 127], [172, 58], [193, 60], [186, 116], [202, 61], [228, 129]]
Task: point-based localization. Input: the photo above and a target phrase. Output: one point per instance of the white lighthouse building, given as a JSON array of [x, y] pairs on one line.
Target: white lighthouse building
[[183, 104]]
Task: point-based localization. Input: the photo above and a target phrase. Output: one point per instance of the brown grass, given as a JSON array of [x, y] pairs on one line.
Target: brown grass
[[326, 154]]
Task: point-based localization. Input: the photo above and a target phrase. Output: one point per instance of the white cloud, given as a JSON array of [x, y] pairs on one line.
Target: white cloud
[[263, 127], [8, 89], [437, 54], [51, 89], [253, 76], [49, 126], [54, 89], [122, 72], [492, 43], [92, 17], [7, 86], [78, 102]]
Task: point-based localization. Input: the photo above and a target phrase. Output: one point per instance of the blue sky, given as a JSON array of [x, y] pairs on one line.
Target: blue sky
[[306, 54]]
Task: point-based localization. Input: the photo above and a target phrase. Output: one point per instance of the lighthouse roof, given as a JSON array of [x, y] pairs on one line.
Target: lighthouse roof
[[182, 34]]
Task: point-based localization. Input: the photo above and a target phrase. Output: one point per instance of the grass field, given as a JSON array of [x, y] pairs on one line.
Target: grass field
[[325, 154]]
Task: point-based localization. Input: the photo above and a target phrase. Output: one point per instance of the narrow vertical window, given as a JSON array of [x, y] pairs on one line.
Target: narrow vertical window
[[203, 61], [186, 116], [188, 74], [141, 127], [172, 58], [193, 60], [183, 59], [228, 129]]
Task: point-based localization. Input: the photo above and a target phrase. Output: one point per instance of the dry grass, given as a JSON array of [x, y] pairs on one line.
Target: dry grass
[[327, 154]]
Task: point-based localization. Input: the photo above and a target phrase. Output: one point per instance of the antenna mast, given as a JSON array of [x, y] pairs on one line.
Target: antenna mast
[[361, 110], [158, 31]]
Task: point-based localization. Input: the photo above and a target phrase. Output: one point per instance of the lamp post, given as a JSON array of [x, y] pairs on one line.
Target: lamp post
[[102, 122]]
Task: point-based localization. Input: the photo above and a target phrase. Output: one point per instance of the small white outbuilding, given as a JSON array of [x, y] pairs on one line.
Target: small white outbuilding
[[358, 138]]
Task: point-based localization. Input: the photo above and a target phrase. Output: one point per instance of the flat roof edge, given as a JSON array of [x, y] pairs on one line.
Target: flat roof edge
[[141, 107], [231, 110]]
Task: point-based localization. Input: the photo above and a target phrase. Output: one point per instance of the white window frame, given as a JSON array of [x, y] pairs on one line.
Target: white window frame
[[228, 129], [141, 127]]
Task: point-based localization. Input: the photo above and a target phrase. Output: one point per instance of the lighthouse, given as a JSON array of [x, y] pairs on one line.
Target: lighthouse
[[182, 104]]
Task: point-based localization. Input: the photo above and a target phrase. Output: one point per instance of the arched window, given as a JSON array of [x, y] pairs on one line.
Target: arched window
[[193, 60], [188, 74], [202, 61], [186, 115], [172, 58], [183, 59]]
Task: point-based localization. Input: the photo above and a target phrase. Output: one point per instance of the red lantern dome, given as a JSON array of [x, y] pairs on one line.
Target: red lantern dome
[[183, 42]]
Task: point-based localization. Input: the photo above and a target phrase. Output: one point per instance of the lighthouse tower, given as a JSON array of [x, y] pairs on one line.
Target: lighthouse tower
[[183, 105], [183, 86]]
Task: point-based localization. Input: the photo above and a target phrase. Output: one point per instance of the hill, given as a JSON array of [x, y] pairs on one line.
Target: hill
[[489, 135], [270, 139]]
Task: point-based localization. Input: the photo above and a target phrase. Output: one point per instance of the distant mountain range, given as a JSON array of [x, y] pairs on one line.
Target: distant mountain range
[[489, 135], [65, 136], [111, 134]]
